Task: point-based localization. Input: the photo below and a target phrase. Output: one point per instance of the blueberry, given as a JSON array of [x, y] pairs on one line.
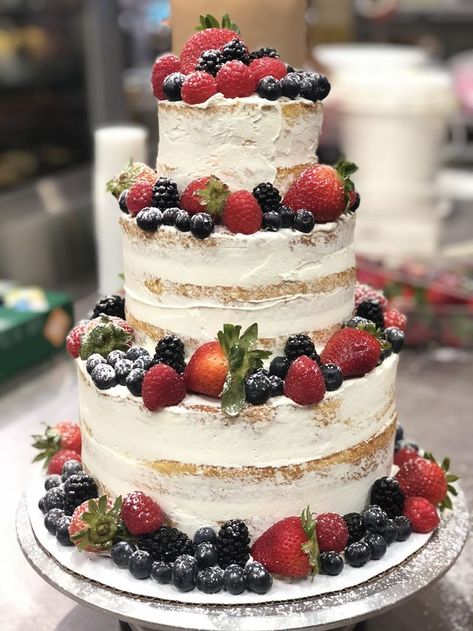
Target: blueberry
[[206, 555], [277, 385], [279, 366], [404, 528], [161, 572], [331, 563], [70, 467], [304, 220], [52, 481], [395, 337], [41, 505], [287, 217], [355, 321], [144, 362], [332, 375], [314, 86], [272, 221], [51, 519], [234, 579], [374, 519], [104, 377], [257, 578], [136, 351], [121, 553], [206, 534], [134, 381], [356, 203], [182, 221], [122, 201], [139, 564], [399, 432], [149, 219], [184, 573], [94, 360], [169, 216], [55, 498], [62, 531], [172, 85], [210, 580], [377, 544], [357, 554], [114, 356], [123, 368], [202, 225], [390, 532], [291, 85], [269, 88], [257, 388]]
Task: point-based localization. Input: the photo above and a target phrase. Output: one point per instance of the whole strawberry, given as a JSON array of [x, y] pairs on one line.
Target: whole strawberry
[[163, 66], [198, 87], [209, 37], [70, 436], [332, 532], [354, 351], [323, 190], [73, 339], [393, 317], [57, 461], [289, 548], [304, 383], [267, 67], [422, 514], [365, 293], [242, 213], [141, 514], [139, 196], [423, 478], [95, 524], [133, 172], [207, 370], [405, 454], [162, 387], [234, 79], [206, 194], [62, 438]]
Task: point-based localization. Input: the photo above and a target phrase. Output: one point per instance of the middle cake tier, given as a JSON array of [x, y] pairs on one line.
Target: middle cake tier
[[286, 281]]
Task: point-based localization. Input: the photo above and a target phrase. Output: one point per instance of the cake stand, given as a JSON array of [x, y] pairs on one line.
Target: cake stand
[[339, 610]]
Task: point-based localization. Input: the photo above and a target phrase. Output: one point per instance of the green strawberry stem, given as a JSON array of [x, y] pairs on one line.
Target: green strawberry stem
[[209, 21], [214, 195], [47, 444], [103, 525], [125, 179], [310, 547], [345, 170]]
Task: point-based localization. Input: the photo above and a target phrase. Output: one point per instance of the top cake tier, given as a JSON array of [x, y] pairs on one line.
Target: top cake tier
[[242, 141]]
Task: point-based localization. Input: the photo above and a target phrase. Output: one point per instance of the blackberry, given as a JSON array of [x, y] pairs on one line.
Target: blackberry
[[78, 488], [387, 493], [264, 52], [165, 194], [169, 216], [170, 351], [122, 202], [172, 85], [279, 366], [333, 376], [289, 69], [300, 344], [277, 385], [166, 544], [210, 61], [236, 49], [257, 388], [134, 381], [291, 86], [269, 88], [395, 337], [356, 529], [271, 221], [149, 219], [371, 310], [267, 196], [233, 543], [112, 305], [182, 221], [202, 225], [304, 221], [287, 216]]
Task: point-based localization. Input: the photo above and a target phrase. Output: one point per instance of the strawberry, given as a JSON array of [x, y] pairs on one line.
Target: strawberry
[[267, 67], [70, 437], [354, 351], [424, 477], [62, 437], [206, 194], [133, 172], [163, 66], [393, 317], [95, 524], [141, 514], [332, 532], [198, 87], [105, 334], [322, 189], [365, 293], [234, 79], [421, 513], [74, 338], [289, 547], [304, 383], [162, 387], [405, 454], [207, 370], [139, 196], [57, 461], [242, 213]]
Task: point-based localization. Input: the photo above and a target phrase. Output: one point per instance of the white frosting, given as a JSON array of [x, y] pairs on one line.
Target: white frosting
[[243, 141]]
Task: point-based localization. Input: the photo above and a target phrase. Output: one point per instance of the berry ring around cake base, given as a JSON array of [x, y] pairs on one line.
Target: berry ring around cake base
[[93, 581]]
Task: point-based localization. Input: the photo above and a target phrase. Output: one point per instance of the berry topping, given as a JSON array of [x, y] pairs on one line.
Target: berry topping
[[149, 219], [207, 370], [55, 498], [114, 356], [141, 515], [269, 88], [184, 573], [354, 201], [277, 385], [166, 544], [421, 513], [387, 494], [54, 480], [404, 528], [136, 351], [390, 532], [314, 86], [95, 524], [78, 488], [332, 532], [257, 578], [161, 572], [377, 545], [371, 310], [354, 351], [288, 216], [234, 579], [110, 305], [267, 67], [425, 478], [356, 529], [133, 172], [202, 225], [236, 49], [210, 580], [304, 221], [134, 381], [70, 467], [74, 338], [235, 79], [122, 202], [331, 563], [257, 388], [300, 344], [206, 555], [291, 86], [140, 564], [210, 61], [162, 387], [271, 221], [233, 543], [182, 221], [206, 194], [374, 519], [104, 377], [395, 337], [394, 318], [242, 213], [279, 366], [358, 554], [264, 52], [206, 534], [121, 553], [210, 36], [333, 376], [57, 461], [145, 362], [366, 292], [267, 196], [169, 216], [123, 367], [104, 335], [172, 86], [139, 196], [163, 66], [170, 350], [304, 382], [63, 437], [165, 194], [51, 519], [62, 531], [198, 87]]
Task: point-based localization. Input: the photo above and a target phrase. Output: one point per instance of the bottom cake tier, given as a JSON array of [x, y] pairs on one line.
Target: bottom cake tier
[[203, 467]]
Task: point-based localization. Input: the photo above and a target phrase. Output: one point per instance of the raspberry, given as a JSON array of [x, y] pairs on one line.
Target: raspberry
[[332, 532], [198, 87], [139, 196], [393, 317], [163, 66], [162, 387], [242, 213], [73, 340], [141, 514], [405, 454], [423, 478], [235, 79], [422, 514], [56, 463], [268, 67], [366, 292]]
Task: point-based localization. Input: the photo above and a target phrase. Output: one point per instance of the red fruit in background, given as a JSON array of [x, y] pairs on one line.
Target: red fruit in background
[[354, 351], [207, 370], [267, 67], [234, 79], [393, 317], [198, 87], [242, 213], [208, 39], [162, 387], [141, 514], [163, 66], [57, 461], [206, 194], [405, 454], [423, 478], [366, 292], [139, 196], [332, 532], [289, 547], [304, 383], [73, 340], [421, 513]]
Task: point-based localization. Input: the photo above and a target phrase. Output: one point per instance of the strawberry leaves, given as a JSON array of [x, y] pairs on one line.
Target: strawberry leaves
[[209, 21], [310, 547], [214, 195], [103, 525], [242, 360], [449, 477], [47, 444], [345, 170]]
